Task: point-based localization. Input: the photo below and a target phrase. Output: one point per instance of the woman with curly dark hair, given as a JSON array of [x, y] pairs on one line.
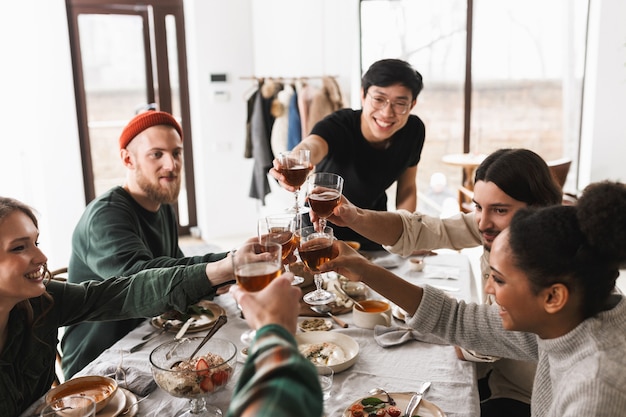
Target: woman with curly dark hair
[[553, 275]]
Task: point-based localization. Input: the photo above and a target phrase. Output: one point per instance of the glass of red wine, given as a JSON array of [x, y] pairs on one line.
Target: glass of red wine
[[295, 167], [282, 229], [324, 194], [315, 249]]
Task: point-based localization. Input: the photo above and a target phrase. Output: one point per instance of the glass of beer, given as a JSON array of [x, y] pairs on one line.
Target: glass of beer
[[255, 265], [281, 228], [324, 194], [316, 248]]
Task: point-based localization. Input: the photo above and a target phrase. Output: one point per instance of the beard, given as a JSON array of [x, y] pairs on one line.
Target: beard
[[156, 192]]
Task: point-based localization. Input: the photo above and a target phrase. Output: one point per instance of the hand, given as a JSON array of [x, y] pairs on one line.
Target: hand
[[345, 214], [347, 262], [280, 178], [220, 272], [278, 303]]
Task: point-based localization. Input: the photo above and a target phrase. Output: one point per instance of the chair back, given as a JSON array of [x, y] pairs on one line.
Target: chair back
[[560, 169]]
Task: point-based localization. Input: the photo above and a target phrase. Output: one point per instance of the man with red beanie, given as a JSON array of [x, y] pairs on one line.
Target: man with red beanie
[[132, 227]]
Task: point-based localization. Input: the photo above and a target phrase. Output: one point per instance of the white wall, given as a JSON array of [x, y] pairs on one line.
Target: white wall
[[40, 159]]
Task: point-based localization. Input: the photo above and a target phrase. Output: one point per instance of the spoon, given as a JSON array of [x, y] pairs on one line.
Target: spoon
[[342, 291], [377, 391], [325, 309]]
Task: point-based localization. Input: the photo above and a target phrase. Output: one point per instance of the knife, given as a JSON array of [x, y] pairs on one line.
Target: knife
[[415, 400], [185, 327]]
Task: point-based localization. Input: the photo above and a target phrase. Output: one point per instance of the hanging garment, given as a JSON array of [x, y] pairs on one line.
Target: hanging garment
[[280, 111], [260, 128], [325, 101], [294, 128]]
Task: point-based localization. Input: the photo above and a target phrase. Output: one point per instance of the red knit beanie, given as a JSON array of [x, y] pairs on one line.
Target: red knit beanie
[[145, 120]]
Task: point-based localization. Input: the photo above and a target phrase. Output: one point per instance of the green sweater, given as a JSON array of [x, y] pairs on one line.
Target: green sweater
[[276, 380], [117, 237], [27, 363]]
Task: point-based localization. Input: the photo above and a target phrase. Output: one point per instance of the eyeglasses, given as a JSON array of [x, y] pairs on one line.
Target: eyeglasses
[[380, 102]]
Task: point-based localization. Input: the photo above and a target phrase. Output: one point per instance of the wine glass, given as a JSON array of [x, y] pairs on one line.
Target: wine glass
[[316, 248], [324, 194], [282, 229], [197, 378], [295, 166], [255, 265]]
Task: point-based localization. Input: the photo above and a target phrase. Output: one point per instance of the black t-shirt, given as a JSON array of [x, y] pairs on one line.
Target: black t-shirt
[[367, 171]]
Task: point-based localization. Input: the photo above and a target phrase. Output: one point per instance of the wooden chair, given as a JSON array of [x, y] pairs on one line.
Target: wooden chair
[[59, 275], [560, 169]]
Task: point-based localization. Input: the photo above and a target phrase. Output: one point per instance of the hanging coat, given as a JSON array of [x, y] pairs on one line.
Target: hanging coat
[[260, 128]]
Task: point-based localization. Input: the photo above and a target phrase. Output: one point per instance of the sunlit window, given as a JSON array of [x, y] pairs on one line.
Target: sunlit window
[[526, 82]]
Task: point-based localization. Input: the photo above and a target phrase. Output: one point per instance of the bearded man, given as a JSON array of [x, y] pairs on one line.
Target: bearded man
[[132, 227]]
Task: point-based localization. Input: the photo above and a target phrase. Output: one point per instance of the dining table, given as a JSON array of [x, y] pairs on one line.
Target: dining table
[[397, 369]]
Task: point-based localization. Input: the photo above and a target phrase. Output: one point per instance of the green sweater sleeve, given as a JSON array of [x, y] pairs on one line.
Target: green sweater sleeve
[[276, 380], [144, 294]]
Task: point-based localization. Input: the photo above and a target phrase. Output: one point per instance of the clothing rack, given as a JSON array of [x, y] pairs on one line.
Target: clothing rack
[[287, 79]]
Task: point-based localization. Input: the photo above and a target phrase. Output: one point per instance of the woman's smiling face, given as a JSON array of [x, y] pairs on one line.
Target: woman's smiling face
[[520, 308], [21, 261]]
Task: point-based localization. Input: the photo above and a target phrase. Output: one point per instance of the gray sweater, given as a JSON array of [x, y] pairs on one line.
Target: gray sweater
[[582, 373]]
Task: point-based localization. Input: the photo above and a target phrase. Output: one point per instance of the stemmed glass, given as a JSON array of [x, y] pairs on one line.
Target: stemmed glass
[[255, 265], [324, 194], [316, 248], [282, 229], [194, 378], [295, 166]]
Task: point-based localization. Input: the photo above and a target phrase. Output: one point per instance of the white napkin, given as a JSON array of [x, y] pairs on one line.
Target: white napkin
[[135, 380], [394, 336]]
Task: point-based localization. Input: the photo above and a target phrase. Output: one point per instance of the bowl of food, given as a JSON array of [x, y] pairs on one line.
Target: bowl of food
[[336, 350], [197, 377], [101, 388]]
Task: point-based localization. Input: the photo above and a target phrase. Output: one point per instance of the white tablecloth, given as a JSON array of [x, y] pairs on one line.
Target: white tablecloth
[[397, 369]]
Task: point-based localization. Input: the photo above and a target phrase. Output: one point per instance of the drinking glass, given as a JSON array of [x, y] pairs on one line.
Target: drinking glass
[[282, 229], [325, 376], [71, 406], [295, 166], [316, 248], [255, 265], [324, 194]]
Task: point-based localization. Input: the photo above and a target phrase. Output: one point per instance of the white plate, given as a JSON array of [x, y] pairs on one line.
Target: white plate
[[130, 399], [324, 324], [425, 409], [349, 346], [203, 321], [115, 406]]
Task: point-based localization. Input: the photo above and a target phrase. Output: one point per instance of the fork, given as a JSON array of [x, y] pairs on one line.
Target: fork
[[138, 346]]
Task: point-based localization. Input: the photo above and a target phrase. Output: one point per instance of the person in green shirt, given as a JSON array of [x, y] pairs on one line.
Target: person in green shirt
[[33, 307], [131, 228]]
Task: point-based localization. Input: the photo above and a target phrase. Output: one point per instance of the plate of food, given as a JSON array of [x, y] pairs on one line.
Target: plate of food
[[316, 324], [366, 405], [204, 312], [332, 349]]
